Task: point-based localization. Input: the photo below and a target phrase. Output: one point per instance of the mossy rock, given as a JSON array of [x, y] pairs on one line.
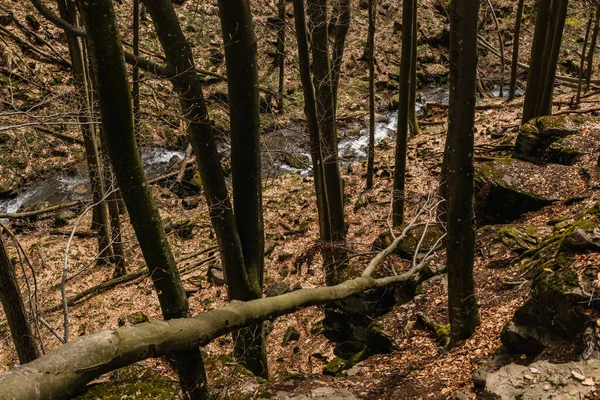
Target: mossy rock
[[8, 184], [133, 382], [559, 300], [338, 365], [507, 188], [538, 134], [568, 150], [295, 160], [408, 246]]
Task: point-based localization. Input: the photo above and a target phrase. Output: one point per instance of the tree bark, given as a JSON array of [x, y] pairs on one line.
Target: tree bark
[[100, 220], [583, 54], [310, 111], [244, 114], [12, 304], [136, 70], [590, 60], [117, 122], [534, 75], [462, 303], [281, 53], [515, 56], [403, 113], [339, 41], [322, 79], [371, 61]]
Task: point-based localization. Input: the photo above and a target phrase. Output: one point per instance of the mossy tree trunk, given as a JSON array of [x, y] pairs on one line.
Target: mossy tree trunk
[[310, 111], [136, 70], [12, 304], [101, 222], [244, 113], [462, 303], [515, 55], [370, 53], [549, 24], [403, 112], [334, 254], [339, 42], [413, 123], [117, 123]]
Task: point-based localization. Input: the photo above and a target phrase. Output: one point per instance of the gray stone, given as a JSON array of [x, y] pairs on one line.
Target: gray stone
[[216, 275], [554, 381], [536, 136], [322, 393], [278, 289], [291, 335]]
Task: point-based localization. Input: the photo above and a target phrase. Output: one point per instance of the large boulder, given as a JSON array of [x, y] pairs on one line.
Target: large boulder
[[538, 134], [507, 188], [412, 243], [559, 305], [543, 380]]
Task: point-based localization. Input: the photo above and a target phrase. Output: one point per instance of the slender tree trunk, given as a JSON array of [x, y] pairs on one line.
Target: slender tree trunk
[[413, 123], [462, 303], [281, 53], [341, 31], [515, 55], [12, 303], [334, 256], [590, 60], [501, 47], [101, 224], [403, 113], [244, 111], [136, 70], [582, 61], [559, 16], [370, 53], [534, 76], [117, 122], [310, 111]]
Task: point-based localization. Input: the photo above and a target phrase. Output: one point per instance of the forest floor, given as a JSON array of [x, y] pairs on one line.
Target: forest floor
[[418, 367]]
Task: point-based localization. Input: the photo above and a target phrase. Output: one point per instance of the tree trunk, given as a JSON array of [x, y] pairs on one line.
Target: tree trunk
[[117, 122], [310, 111], [403, 113], [590, 60], [322, 79], [534, 75], [462, 303], [371, 61], [244, 113], [515, 55], [339, 41], [413, 124], [135, 91], [558, 18], [281, 53], [582, 61], [12, 303], [101, 224]]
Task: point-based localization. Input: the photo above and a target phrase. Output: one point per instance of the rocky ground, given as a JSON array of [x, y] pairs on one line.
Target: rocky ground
[[537, 247]]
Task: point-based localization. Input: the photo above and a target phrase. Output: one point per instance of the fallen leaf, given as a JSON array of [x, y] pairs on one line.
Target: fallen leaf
[[589, 381]]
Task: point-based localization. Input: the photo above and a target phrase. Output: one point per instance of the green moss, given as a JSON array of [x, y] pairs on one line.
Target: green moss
[[133, 382], [334, 367]]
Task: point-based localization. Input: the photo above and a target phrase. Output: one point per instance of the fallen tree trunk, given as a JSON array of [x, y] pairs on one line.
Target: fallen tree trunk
[[63, 372]]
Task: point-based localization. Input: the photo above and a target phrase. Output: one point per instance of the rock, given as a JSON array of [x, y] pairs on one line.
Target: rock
[[538, 134], [296, 160], [322, 393], [408, 246], [283, 256], [507, 188], [462, 396], [278, 289], [291, 335], [190, 203], [363, 4], [184, 228], [133, 319], [216, 275], [555, 381], [62, 219], [521, 340], [378, 342]]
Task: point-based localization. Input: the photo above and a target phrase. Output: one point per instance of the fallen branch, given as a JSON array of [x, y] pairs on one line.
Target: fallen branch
[[40, 211], [62, 373], [58, 135]]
